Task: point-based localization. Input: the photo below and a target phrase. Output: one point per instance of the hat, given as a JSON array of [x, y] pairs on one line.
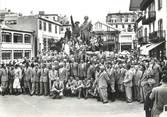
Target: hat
[[77, 22], [151, 81], [102, 67], [61, 64]]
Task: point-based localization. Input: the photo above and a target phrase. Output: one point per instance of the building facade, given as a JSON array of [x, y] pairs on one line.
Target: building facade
[[151, 28], [109, 36], [155, 17], [46, 27], [124, 22], [16, 44]]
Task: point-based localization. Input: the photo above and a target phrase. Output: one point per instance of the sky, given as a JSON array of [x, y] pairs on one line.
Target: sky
[[95, 9]]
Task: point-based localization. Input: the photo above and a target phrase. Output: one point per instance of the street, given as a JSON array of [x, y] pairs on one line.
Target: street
[[40, 106]]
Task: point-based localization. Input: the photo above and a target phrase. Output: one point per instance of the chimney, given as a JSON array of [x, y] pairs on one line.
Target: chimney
[[41, 12]]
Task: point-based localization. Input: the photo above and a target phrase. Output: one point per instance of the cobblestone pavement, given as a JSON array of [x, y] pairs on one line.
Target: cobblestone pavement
[[35, 106]]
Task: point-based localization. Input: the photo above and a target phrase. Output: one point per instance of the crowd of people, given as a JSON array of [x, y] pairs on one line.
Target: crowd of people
[[83, 76]]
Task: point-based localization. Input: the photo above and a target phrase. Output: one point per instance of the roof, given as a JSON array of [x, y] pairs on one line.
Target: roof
[[147, 48], [135, 5], [121, 13], [15, 28], [48, 20], [145, 3]]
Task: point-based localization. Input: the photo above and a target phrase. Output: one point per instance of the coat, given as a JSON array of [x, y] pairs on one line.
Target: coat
[[128, 78], [103, 80], [137, 77], [33, 75], [4, 75], [37, 75], [44, 75], [159, 95], [91, 72], [27, 74], [82, 71], [122, 75], [74, 69], [63, 74], [53, 74]]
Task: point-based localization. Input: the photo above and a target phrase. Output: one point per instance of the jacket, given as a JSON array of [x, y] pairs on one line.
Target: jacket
[[128, 78]]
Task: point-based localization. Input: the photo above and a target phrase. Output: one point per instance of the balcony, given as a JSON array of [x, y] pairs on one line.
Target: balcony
[[151, 18], [143, 40], [157, 36]]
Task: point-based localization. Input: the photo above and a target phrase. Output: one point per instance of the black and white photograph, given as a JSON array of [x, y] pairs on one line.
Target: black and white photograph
[[83, 58]]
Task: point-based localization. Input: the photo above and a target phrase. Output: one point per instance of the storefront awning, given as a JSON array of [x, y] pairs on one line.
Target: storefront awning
[[144, 50]]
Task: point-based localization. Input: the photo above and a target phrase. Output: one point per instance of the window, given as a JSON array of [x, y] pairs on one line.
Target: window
[[44, 26], [123, 26], [126, 20], [160, 26], [129, 28], [153, 26], [18, 38], [44, 44], [159, 4], [55, 29], [6, 37], [27, 38], [11, 22], [145, 32], [6, 54], [133, 20], [18, 54], [50, 27], [40, 24], [27, 54], [60, 30]]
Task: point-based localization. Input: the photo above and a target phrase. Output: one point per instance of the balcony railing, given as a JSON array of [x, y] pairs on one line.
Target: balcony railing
[[151, 18], [157, 36]]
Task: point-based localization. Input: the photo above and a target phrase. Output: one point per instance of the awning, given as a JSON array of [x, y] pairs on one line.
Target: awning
[[144, 50]]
